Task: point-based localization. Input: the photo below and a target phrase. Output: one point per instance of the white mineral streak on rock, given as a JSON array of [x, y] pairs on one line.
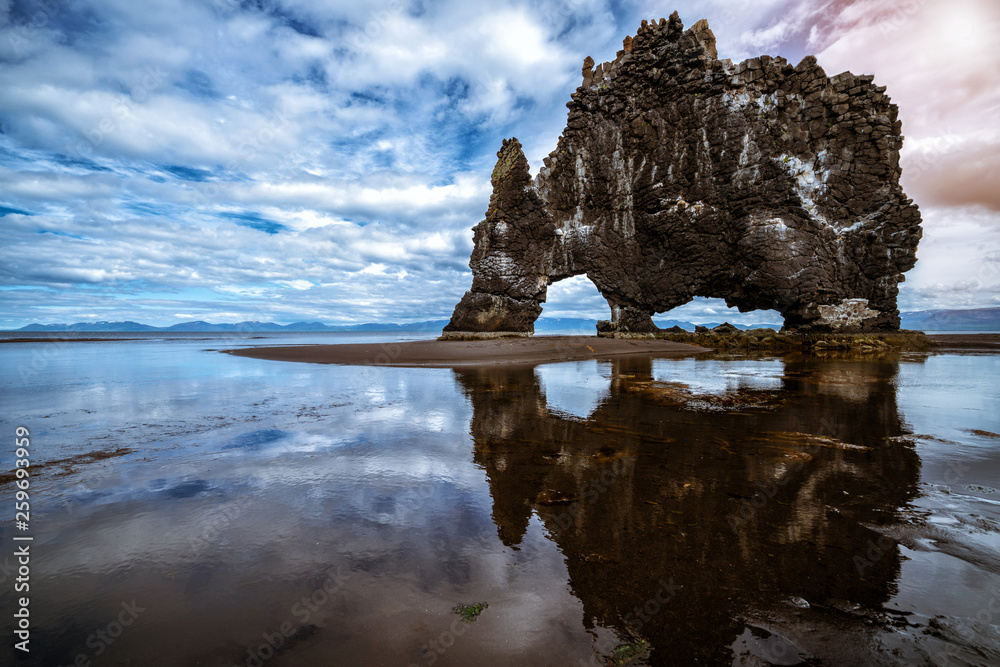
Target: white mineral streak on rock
[[743, 100], [853, 228], [849, 312], [777, 225], [749, 160], [624, 172], [737, 101], [500, 264], [808, 183]]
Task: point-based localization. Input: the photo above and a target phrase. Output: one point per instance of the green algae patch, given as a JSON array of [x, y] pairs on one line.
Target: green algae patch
[[470, 612], [626, 653]]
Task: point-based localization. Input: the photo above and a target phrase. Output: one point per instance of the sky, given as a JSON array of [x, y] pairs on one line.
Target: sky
[[315, 160]]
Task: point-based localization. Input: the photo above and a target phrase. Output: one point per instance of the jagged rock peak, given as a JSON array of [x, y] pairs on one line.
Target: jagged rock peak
[[510, 163]]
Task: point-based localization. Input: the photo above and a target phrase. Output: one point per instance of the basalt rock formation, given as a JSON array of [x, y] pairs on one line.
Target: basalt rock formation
[[682, 175]]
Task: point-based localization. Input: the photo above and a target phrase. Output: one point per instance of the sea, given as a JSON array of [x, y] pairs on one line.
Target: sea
[[183, 506]]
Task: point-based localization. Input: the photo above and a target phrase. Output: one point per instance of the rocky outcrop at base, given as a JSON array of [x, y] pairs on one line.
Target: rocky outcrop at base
[[681, 175], [722, 339]]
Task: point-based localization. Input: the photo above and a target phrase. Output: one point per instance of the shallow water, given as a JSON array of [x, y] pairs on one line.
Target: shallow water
[[720, 509]]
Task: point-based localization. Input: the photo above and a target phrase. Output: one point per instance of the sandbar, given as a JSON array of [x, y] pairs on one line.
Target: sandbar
[[982, 342], [449, 353]]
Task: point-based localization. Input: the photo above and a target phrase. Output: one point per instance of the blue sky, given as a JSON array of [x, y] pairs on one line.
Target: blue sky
[[172, 160]]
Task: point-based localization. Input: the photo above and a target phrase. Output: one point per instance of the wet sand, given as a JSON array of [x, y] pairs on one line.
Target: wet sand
[[450, 353], [967, 341]]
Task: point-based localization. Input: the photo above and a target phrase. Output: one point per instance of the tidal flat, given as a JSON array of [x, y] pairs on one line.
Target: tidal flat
[[716, 508]]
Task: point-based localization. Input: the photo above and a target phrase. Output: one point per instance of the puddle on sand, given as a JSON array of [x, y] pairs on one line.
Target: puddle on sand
[[719, 510]]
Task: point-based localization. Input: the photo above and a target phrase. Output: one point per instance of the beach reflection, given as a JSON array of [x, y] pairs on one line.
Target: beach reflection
[[721, 509], [710, 524]]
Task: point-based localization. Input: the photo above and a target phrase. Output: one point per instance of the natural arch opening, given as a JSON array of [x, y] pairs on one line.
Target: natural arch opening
[[572, 305], [711, 312]]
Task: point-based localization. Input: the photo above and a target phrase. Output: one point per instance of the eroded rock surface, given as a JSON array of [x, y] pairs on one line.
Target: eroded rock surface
[[681, 175]]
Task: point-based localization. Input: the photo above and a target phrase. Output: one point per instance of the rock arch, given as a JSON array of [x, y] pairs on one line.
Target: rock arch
[[681, 175]]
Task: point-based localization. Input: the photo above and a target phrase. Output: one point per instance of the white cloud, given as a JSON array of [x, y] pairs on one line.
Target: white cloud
[[375, 269], [364, 137], [956, 265], [296, 284]]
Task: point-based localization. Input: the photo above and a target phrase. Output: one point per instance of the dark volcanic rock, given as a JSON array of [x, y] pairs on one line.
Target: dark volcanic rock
[[681, 175]]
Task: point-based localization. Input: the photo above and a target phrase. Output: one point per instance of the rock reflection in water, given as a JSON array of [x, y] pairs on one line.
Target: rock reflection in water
[[694, 521]]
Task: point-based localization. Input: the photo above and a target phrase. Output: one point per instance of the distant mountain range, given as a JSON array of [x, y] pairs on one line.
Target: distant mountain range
[[978, 319], [542, 325], [981, 319], [239, 327]]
